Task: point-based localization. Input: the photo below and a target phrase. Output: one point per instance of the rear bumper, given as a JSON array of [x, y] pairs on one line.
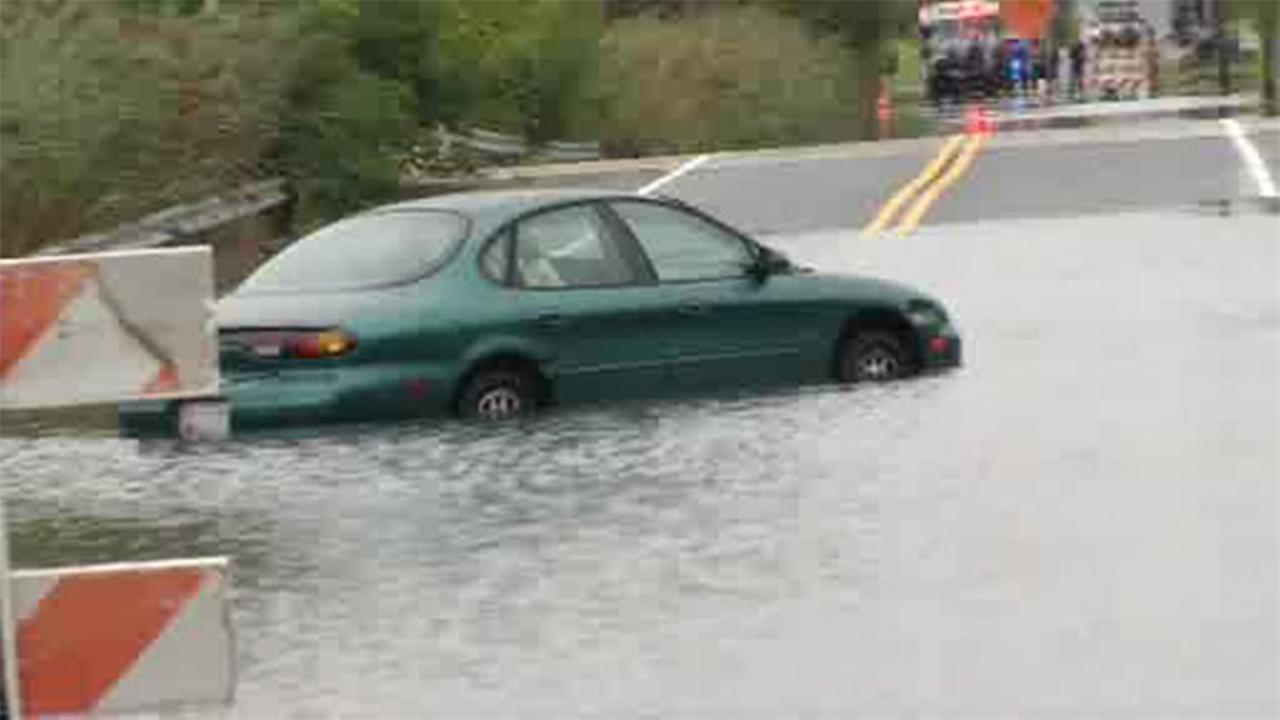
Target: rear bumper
[[262, 401]]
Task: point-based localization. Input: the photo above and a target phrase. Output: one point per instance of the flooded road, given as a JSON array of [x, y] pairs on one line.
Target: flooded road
[[1082, 521]]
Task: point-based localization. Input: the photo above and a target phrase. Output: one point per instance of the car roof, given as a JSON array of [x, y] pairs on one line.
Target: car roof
[[497, 206]]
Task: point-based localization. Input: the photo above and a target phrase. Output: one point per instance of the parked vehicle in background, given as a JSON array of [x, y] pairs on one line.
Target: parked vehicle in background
[[494, 304], [959, 42]]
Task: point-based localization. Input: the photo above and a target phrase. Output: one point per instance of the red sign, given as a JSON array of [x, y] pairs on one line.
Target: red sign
[[1026, 18]]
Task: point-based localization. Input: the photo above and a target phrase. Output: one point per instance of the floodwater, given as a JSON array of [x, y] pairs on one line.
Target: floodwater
[[1080, 522]]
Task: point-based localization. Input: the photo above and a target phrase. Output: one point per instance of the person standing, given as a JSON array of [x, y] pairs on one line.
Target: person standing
[[991, 64], [974, 70], [1077, 70], [1025, 66], [1153, 61], [1042, 70]]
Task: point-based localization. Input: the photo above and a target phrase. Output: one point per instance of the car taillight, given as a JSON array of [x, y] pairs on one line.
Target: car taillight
[[317, 345], [290, 344]]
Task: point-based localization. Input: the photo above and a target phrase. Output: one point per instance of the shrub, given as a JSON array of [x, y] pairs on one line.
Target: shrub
[[732, 78], [105, 116], [345, 129]]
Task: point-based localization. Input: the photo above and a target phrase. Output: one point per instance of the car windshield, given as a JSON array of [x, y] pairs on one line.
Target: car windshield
[[382, 248]]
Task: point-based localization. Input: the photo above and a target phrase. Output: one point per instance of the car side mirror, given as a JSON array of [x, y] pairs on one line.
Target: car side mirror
[[769, 262]]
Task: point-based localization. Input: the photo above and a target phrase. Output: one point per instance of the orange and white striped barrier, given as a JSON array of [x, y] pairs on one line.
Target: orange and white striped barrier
[[107, 327], [122, 638]]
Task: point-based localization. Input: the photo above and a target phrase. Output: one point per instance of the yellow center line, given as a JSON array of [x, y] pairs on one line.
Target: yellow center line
[[911, 220], [900, 198]]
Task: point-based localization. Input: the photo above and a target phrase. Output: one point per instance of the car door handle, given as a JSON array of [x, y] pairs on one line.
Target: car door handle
[[693, 310], [551, 320]]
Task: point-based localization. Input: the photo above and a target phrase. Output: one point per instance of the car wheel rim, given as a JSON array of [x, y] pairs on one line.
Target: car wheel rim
[[500, 402], [878, 364]]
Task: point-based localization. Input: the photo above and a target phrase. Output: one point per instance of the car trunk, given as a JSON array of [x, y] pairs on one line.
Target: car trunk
[[257, 331]]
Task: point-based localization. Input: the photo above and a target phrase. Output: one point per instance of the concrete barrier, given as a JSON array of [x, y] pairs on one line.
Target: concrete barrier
[[98, 328], [122, 638], [80, 329]]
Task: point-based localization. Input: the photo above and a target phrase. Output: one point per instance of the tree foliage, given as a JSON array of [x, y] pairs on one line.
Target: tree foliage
[[739, 77], [113, 108], [519, 65], [106, 115]]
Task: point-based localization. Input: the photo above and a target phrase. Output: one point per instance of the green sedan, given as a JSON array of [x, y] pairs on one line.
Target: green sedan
[[494, 304]]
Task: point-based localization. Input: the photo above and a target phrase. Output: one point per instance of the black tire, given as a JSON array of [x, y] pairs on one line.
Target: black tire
[[874, 356], [498, 394]]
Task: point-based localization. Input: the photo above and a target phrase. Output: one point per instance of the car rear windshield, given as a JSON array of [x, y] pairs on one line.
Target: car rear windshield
[[383, 248]]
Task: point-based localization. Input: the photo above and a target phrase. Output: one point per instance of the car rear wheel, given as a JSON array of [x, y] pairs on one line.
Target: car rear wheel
[[873, 357], [498, 395]]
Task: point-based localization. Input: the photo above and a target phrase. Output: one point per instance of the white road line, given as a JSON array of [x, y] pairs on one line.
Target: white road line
[[1250, 157], [684, 168]]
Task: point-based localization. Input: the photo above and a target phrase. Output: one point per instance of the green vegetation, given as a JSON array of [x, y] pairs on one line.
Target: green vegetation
[[737, 78], [115, 108], [104, 117], [1263, 17], [1255, 26]]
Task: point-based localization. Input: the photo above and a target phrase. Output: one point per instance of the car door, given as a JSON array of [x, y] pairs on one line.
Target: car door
[[584, 291], [733, 328]]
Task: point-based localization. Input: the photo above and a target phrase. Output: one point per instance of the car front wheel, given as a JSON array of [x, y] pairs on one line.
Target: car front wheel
[[873, 357], [497, 395]]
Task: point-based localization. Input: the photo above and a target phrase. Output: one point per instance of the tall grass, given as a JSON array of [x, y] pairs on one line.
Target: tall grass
[[105, 116], [739, 77]]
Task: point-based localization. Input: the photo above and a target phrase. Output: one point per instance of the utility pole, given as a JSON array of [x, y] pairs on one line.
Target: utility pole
[[1269, 34]]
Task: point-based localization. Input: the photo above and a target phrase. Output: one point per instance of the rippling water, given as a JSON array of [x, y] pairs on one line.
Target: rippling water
[[1082, 520]]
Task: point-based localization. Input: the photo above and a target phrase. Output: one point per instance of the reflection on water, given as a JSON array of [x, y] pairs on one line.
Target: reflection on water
[[1082, 521]]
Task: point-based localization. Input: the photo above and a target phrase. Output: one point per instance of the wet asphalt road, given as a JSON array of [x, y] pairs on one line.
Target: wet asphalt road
[[1268, 143], [1071, 180], [1080, 522], [1017, 175]]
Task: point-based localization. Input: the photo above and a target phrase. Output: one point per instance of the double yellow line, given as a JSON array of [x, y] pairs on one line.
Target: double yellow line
[[948, 166]]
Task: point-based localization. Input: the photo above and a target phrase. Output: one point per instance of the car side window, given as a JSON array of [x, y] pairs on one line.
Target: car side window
[[683, 246], [569, 247]]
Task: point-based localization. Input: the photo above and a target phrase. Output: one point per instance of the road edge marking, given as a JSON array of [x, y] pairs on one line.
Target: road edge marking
[[912, 219], [684, 168], [1252, 159], [915, 185]]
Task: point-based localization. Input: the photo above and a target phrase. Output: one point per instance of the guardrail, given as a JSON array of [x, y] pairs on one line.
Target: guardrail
[[178, 224], [512, 147], [243, 226]]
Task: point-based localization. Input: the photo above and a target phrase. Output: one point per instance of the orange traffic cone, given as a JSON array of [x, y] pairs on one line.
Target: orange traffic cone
[[884, 111]]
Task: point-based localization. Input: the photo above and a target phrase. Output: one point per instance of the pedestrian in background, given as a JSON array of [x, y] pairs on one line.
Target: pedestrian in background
[[991, 64], [1025, 66], [1015, 68], [1077, 70], [1153, 60], [1042, 70], [975, 70]]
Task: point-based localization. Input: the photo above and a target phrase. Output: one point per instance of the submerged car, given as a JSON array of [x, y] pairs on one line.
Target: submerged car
[[493, 304]]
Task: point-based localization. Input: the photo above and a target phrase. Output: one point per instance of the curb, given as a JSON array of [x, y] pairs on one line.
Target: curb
[[1118, 113]]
